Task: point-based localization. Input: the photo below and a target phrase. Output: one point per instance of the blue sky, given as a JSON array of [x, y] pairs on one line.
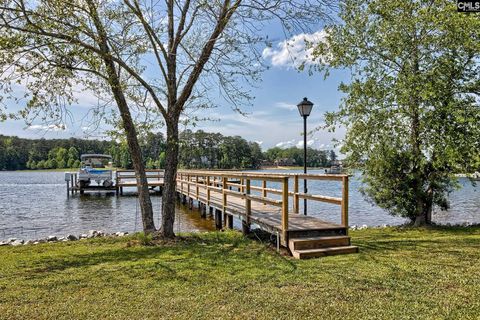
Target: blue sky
[[272, 120]]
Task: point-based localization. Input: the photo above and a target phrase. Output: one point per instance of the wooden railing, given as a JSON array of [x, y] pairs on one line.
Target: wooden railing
[[152, 174], [190, 183]]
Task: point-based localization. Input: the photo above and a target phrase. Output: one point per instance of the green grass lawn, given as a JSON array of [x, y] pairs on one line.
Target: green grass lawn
[[398, 274]]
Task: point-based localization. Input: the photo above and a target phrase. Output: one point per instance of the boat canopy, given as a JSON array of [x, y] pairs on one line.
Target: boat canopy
[[93, 155]]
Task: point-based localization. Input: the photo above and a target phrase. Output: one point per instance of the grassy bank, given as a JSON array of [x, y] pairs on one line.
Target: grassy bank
[[398, 274]]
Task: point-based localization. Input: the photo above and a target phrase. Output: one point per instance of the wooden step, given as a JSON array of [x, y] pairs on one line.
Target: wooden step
[[314, 253], [308, 233], [318, 242]]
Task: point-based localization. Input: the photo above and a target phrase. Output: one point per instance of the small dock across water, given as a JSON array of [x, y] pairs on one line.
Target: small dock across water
[[122, 179]]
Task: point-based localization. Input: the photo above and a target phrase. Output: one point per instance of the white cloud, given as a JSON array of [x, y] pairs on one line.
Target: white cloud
[[259, 142], [285, 144], [49, 127], [293, 52], [310, 143], [285, 105]]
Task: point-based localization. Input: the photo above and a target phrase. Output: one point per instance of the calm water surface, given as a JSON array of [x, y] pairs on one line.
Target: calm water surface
[[35, 204]]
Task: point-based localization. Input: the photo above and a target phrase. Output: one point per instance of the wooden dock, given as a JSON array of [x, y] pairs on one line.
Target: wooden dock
[[269, 200], [122, 179], [127, 179], [249, 197]]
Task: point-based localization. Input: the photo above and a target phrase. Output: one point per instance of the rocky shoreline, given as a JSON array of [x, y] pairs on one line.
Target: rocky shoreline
[[70, 237], [99, 233]]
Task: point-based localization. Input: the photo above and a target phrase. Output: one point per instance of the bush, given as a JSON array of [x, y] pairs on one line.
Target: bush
[[61, 164], [41, 164], [144, 239], [70, 163]]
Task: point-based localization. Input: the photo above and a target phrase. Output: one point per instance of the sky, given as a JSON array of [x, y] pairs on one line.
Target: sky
[[272, 119]]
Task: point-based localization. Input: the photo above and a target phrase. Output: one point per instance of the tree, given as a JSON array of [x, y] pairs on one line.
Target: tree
[[332, 157], [411, 110], [72, 156], [195, 45], [41, 164], [53, 46], [256, 155]]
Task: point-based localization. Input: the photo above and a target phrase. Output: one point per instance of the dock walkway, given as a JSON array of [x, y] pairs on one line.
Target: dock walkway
[[249, 197]]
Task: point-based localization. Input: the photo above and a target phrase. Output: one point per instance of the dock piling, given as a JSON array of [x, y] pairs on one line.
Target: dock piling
[[218, 219]]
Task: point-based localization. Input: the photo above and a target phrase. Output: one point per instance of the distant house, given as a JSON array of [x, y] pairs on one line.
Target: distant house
[[336, 167], [266, 163], [338, 163], [284, 162]]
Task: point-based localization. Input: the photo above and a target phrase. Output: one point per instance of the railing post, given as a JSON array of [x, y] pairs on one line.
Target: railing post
[[75, 179], [188, 185], [296, 202], [196, 186], [345, 202], [285, 211], [224, 198], [208, 190], [181, 184], [116, 182], [264, 190], [248, 209]]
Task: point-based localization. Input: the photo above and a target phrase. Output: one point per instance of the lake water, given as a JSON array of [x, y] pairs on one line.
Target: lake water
[[35, 204]]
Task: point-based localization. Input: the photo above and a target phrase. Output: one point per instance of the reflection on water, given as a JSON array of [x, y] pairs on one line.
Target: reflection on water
[[35, 204]]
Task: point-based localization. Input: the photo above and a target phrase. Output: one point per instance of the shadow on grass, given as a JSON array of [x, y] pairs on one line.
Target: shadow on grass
[[227, 250], [196, 251]]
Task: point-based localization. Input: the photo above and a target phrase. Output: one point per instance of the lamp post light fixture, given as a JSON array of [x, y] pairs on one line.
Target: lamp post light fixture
[[305, 107]]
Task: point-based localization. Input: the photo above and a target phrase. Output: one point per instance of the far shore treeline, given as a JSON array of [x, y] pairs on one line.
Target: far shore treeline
[[197, 150]]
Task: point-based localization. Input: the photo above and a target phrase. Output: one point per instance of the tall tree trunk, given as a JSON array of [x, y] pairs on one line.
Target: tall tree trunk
[[171, 162], [429, 206], [137, 160], [419, 214], [424, 209], [128, 125], [420, 219]]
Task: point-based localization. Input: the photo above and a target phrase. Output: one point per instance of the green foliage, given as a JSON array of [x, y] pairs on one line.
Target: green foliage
[[17, 153], [315, 158], [212, 150], [422, 273], [411, 110], [41, 164], [197, 150], [161, 160], [144, 239]]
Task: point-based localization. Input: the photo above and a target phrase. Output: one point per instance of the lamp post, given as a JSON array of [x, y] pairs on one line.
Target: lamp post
[[305, 107]]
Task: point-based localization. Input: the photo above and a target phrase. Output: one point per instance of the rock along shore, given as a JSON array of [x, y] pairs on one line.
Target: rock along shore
[[69, 237], [98, 234]]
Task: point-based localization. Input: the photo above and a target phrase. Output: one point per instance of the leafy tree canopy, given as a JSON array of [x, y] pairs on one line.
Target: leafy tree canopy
[[412, 107]]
